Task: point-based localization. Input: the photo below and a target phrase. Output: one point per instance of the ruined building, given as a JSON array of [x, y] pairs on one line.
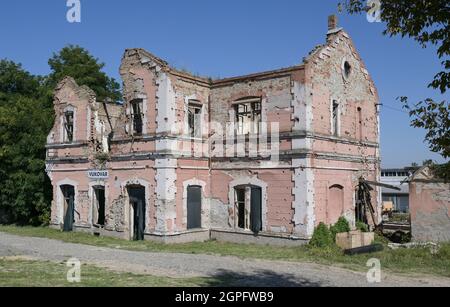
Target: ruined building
[[257, 158]]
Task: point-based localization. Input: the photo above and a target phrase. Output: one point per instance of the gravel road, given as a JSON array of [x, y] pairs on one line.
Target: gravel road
[[244, 272]]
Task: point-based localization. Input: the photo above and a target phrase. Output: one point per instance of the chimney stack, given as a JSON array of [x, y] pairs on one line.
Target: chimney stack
[[332, 22]]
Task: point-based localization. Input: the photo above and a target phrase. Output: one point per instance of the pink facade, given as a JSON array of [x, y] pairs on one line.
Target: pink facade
[[168, 141], [429, 202]]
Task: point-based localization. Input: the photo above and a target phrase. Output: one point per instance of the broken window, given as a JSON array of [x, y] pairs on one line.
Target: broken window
[[98, 215], [335, 118], [137, 116], [249, 208], [195, 119], [68, 126], [248, 116]]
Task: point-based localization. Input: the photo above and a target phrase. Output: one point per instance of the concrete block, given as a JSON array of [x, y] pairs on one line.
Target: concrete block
[[354, 239]]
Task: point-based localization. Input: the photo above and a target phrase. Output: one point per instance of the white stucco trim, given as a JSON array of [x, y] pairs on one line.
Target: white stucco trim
[[166, 190], [302, 115], [206, 207], [249, 181], [88, 121], [303, 204], [165, 105]]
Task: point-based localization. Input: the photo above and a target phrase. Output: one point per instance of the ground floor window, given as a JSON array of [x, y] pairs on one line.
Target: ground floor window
[[248, 208]]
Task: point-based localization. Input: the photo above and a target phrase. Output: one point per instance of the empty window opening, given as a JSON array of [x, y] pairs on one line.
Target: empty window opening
[[137, 116], [68, 126], [242, 214], [248, 116], [347, 69], [98, 214], [335, 118], [138, 208], [249, 208], [194, 207], [195, 119], [68, 193]]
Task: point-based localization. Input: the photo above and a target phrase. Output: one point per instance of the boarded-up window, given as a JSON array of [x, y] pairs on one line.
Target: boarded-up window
[[194, 207], [335, 203]]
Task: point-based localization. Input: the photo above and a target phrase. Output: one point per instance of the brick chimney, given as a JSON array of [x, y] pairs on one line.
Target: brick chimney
[[332, 22]]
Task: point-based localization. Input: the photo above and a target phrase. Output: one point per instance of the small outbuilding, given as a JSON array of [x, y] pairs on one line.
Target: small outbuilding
[[430, 207]]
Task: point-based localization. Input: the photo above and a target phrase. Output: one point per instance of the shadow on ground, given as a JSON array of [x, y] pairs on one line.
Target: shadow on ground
[[225, 278]]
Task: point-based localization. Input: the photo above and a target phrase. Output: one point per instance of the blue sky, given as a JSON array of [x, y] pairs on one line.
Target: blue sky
[[227, 38]]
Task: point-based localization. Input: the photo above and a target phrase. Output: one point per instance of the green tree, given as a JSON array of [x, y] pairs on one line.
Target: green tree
[[427, 22], [78, 63], [26, 116]]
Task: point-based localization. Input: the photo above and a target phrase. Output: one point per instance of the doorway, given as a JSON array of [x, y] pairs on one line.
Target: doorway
[[68, 192], [194, 207], [137, 204], [98, 214]]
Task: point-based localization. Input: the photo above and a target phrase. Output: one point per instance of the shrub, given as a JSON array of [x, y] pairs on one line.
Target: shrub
[[321, 237], [362, 227], [341, 226], [401, 237]]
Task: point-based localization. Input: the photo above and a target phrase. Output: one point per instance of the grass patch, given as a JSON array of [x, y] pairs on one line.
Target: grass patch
[[418, 260], [21, 273]]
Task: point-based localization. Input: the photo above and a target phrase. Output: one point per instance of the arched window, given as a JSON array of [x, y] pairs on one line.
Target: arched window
[[335, 203]]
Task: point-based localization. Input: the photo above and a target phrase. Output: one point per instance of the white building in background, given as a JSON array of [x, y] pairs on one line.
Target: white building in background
[[399, 179]]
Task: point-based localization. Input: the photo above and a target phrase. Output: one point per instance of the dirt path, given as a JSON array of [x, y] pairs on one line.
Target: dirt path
[[244, 272]]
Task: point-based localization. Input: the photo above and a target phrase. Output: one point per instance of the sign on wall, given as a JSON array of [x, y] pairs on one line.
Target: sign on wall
[[98, 174]]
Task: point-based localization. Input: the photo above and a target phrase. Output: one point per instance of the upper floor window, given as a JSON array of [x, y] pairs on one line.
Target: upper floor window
[[195, 119], [335, 118], [248, 116], [137, 116], [347, 69], [68, 126]]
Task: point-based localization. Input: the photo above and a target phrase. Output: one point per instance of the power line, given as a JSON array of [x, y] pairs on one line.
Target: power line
[[394, 109]]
